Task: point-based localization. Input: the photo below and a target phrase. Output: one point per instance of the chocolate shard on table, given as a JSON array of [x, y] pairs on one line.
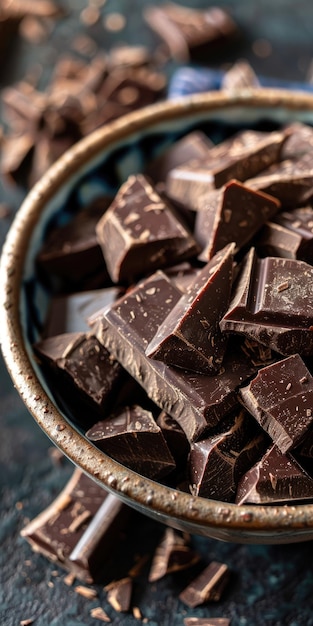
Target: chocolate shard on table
[[72, 251], [85, 373], [207, 587], [132, 437], [275, 478], [206, 621], [280, 398], [190, 33], [272, 304], [119, 594], [190, 336], [241, 74], [196, 401], [140, 232], [217, 463], [80, 529], [69, 313], [240, 158], [290, 181], [235, 213], [194, 145], [173, 554]]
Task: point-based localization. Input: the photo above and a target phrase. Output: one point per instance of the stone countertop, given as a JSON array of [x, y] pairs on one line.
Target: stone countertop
[[269, 585]]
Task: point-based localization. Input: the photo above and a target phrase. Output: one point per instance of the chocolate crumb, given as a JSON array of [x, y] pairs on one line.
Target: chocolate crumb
[[99, 613], [27, 622], [69, 579], [137, 612], [87, 592]]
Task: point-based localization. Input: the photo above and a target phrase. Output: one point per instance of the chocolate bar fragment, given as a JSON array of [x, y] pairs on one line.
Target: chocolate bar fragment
[[175, 438], [140, 233], [237, 159], [69, 313], [235, 213], [276, 478], [132, 437], [85, 373], [217, 463], [195, 145], [280, 398], [119, 593], [241, 74], [299, 141], [206, 621], [173, 554], [196, 401], [72, 251], [190, 335], [272, 304], [190, 33], [208, 586], [79, 530]]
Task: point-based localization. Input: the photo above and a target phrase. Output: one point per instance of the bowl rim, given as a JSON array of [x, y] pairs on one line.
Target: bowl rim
[[133, 488]]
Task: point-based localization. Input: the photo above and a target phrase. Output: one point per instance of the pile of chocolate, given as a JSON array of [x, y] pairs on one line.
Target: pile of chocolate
[[183, 346]]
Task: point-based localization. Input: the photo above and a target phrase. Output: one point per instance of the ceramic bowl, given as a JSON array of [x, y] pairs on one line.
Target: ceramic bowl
[[99, 164]]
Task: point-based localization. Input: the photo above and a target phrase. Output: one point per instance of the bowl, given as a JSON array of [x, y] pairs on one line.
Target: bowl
[[98, 164]]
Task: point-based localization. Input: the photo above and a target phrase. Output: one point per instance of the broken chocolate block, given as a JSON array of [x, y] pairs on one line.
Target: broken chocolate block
[[299, 141], [119, 594], [196, 401], [173, 554], [216, 464], [272, 304], [132, 437], [190, 336], [174, 437], [190, 33], [86, 373], [72, 251], [240, 75], [79, 530], [280, 398], [195, 145], [235, 213], [242, 160], [140, 232], [275, 478], [208, 586]]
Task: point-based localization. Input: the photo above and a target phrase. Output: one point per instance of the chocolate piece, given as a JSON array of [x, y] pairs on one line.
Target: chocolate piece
[[119, 594], [80, 528], [140, 233], [133, 89], [75, 245], [182, 276], [273, 304], [195, 145], [190, 336], [173, 554], [86, 372], [196, 401], [276, 240], [238, 159], [189, 33], [174, 437], [275, 478], [280, 398], [208, 586], [132, 437], [206, 621], [69, 313], [299, 141], [240, 75], [299, 222], [233, 214], [216, 464]]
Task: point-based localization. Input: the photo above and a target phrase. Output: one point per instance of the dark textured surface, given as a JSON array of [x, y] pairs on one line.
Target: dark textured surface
[[269, 585]]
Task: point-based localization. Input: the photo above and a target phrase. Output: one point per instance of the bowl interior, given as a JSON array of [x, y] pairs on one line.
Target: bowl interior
[[95, 167]]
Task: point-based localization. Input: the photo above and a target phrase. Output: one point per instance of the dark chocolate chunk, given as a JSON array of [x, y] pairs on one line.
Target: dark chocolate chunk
[[196, 401], [132, 437], [190, 33], [79, 530], [275, 478], [299, 141], [190, 335], [174, 437], [208, 586], [133, 88], [173, 554], [217, 463], [233, 214], [280, 398], [140, 233], [119, 593], [272, 304]]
